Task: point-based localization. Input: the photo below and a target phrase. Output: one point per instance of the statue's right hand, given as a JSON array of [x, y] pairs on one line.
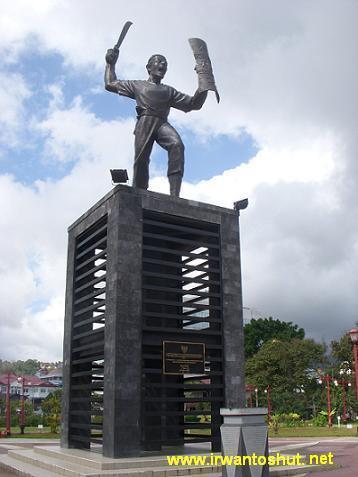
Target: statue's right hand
[[112, 56]]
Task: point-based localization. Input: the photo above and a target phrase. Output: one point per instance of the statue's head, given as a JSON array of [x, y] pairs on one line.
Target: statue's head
[[157, 66]]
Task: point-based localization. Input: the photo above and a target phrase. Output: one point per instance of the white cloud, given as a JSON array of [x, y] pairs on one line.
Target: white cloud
[[40, 335], [75, 132], [301, 256], [34, 222]]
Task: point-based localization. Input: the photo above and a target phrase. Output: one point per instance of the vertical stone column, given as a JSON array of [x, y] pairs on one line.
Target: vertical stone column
[[122, 377], [67, 344], [244, 431], [234, 371]]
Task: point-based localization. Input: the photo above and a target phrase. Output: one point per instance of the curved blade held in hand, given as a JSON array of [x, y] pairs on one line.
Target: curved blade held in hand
[[124, 31]]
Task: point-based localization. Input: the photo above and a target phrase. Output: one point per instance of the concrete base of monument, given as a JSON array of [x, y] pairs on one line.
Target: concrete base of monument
[[53, 461], [244, 434], [27, 460]]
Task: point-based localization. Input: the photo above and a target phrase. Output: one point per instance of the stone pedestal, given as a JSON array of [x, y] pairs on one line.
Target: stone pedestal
[[144, 268], [245, 433]]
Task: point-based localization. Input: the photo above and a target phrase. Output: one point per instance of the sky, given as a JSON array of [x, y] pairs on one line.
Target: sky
[[284, 135]]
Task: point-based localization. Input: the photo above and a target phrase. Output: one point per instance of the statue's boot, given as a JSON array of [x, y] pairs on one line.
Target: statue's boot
[[175, 184]]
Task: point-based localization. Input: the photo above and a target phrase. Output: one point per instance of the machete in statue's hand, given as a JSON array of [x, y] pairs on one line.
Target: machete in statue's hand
[[124, 32]]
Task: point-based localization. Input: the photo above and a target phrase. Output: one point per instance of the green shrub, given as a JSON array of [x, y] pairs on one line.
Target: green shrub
[[205, 418], [320, 420], [274, 422], [192, 418], [51, 408], [291, 419], [33, 420]]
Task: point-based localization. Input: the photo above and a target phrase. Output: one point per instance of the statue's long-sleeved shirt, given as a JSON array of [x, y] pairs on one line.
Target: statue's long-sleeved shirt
[[156, 99]]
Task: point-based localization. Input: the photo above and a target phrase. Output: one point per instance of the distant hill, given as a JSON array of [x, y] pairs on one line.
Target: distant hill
[[28, 367]]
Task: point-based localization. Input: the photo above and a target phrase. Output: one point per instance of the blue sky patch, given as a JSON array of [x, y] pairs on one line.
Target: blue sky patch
[[204, 160], [27, 161]]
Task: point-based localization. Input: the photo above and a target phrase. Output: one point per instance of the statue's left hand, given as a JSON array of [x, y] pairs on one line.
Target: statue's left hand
[[112, 56]]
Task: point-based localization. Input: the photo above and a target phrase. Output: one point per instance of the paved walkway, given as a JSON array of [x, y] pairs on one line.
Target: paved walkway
[[345, 454]]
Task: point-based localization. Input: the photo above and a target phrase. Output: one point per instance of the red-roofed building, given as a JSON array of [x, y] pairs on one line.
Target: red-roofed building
[[35, 389], [4, 380], [54, 376]]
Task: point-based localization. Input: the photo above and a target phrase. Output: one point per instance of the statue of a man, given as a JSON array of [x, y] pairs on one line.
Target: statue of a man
[[154, 101]]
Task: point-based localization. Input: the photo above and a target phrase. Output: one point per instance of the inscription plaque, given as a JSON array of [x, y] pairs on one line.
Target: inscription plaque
[[183, 358]]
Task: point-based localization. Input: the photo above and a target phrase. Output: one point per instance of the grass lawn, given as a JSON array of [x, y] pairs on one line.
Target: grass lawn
[[304, 432], [32, 433], [315, 432], [35, 433]]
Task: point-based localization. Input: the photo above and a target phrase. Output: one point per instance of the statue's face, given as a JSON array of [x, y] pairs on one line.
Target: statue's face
[[157, 66]]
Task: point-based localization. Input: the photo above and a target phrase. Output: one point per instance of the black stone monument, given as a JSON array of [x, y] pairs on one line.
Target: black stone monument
[[146, 269]]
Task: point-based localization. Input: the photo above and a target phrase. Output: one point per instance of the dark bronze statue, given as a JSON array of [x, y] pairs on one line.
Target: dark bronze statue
[[154, 100]]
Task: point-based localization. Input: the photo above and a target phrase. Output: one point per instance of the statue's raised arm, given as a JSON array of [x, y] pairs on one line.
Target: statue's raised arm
[[110, 73]]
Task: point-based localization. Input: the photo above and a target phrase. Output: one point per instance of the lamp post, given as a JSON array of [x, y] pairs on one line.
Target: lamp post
[[8, 408], [354, 338], [267, 391], [327, 378], [343, 383], [22, 409], [257, 397]]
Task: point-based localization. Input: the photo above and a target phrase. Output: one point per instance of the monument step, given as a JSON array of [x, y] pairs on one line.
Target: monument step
[[23, 469], [31, 459], [24, 464], [97, 461], [56, 466]]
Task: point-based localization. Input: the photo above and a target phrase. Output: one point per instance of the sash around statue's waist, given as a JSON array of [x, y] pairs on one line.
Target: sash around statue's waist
[[163, 116]]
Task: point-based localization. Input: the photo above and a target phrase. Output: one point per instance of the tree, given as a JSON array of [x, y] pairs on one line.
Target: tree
[[342, 362], [28, 367], [342, 349], [286, 367], [51, 408], [260, 331]]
